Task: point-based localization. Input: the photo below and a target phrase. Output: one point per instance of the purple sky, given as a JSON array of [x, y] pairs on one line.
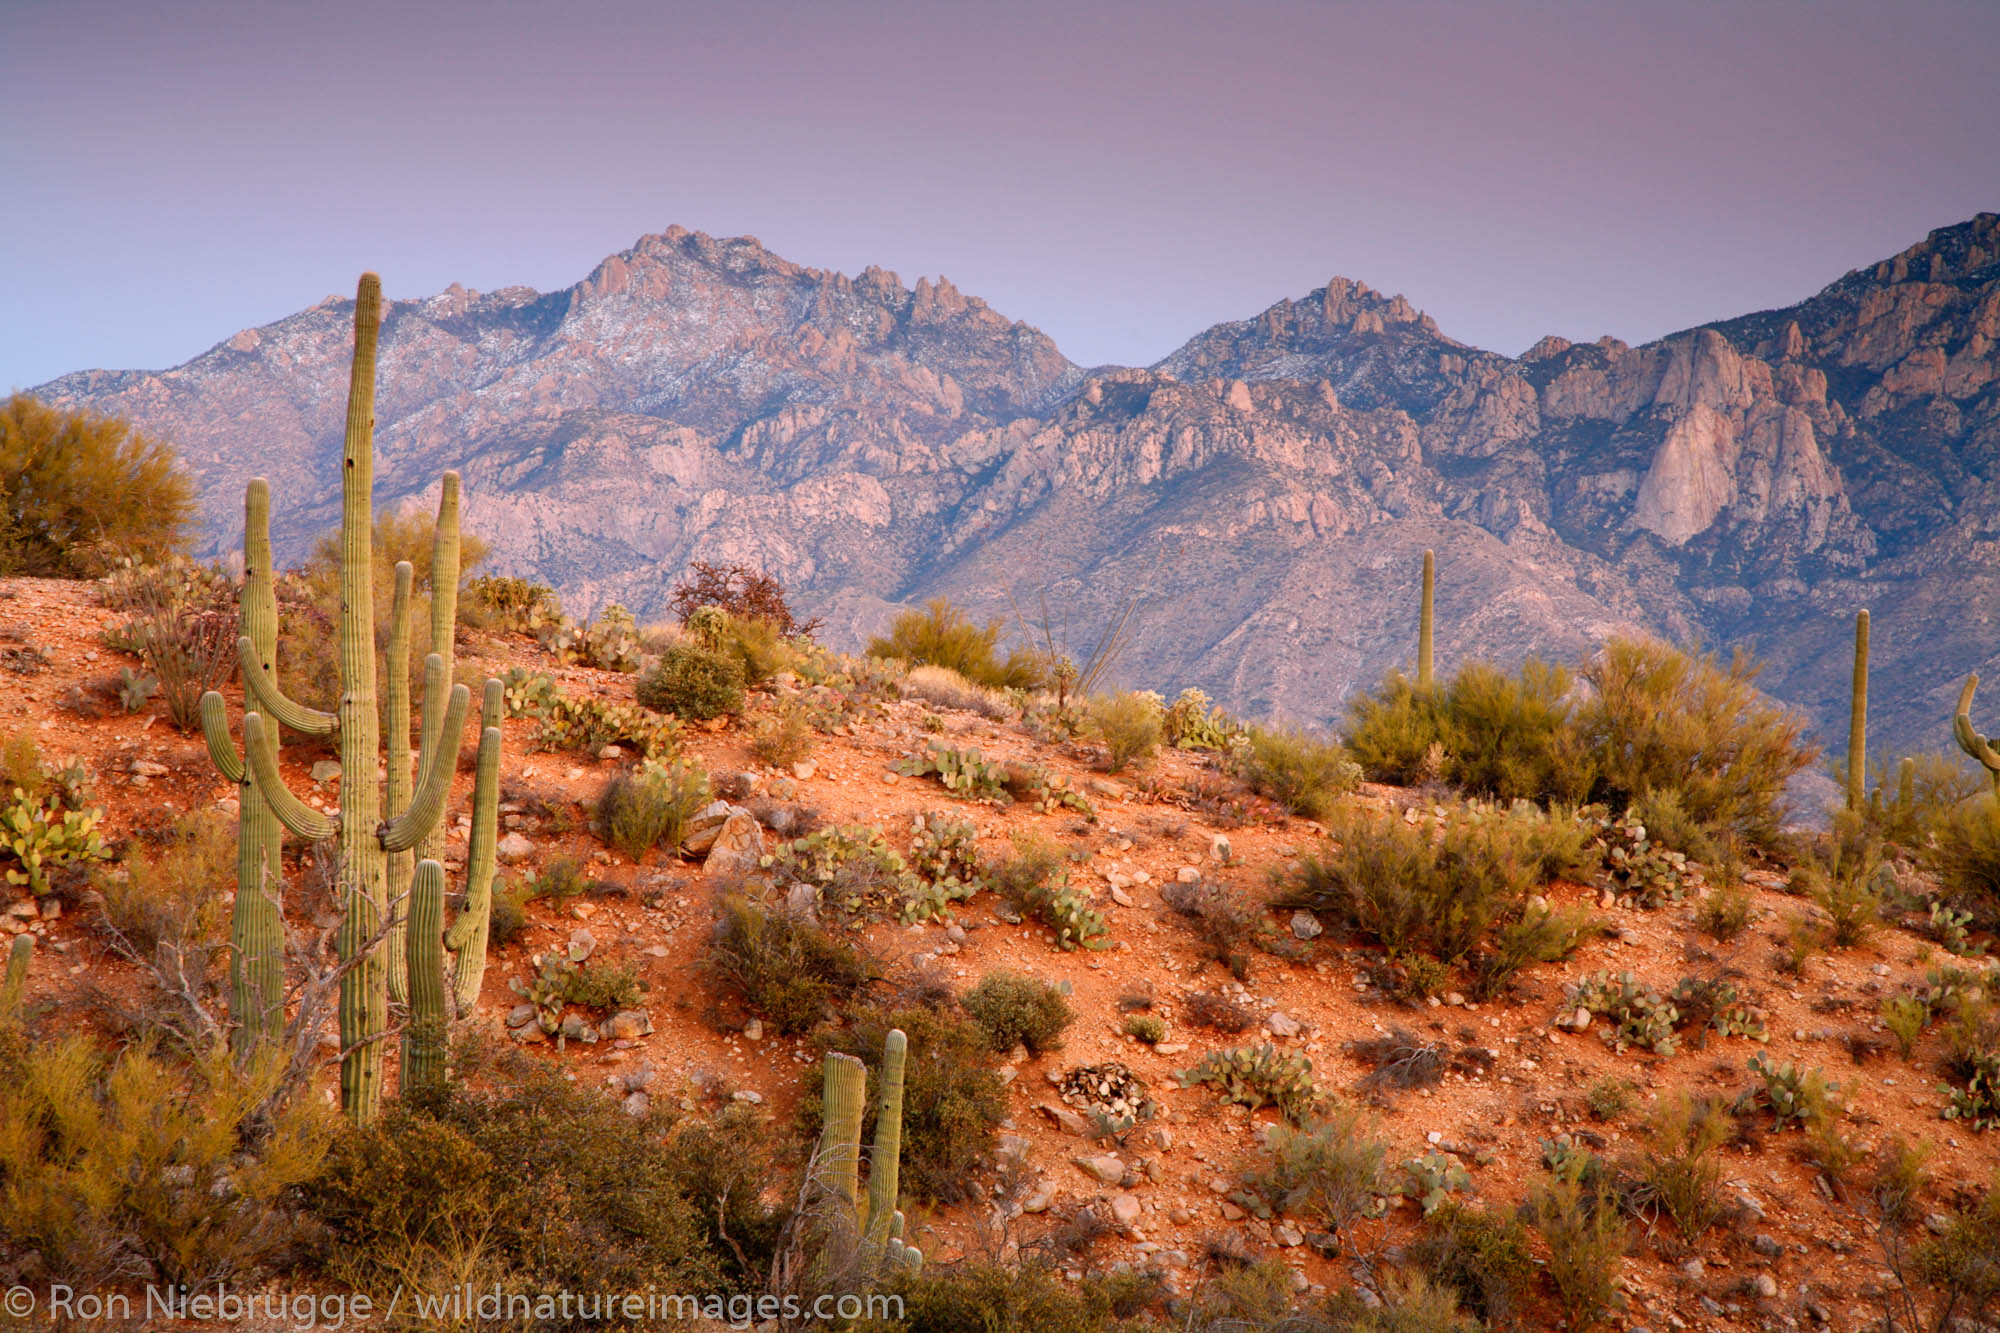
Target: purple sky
[[1121, 175]]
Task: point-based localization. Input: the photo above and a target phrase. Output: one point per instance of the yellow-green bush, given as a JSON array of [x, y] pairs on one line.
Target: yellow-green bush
[[1305, 775], [79, 490], [1128, 723], [941, 634], [135, 1164]]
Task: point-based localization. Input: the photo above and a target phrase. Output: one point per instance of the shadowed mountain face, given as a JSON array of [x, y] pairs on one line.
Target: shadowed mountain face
[[1264, 492]]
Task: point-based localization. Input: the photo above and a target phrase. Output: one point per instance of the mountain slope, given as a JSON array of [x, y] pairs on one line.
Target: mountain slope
[[1263, 492]]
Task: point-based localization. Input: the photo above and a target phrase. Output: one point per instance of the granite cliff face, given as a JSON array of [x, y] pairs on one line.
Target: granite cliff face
[[1263, 492]]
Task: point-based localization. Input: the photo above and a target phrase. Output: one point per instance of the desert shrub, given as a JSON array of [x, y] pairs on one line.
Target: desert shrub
[[953, 1104], [500, 603], [724, 1164], [1148, 1028], [1580, 1223], [783, 965], [944, 688], [1540, 934], [1479, 1255], [1662, 720], [1727, 910], [1668, 823], [755, 646], [506, 920], [1036, 884], [1512, 736], [560, 879], [167, 899], [1129, 724], [533, 1184], [1396, 731], [1305, 775], [1852, 909], [612, 641], [1910, 813], [1012, 1010], [183, 626], [782, 737], [1206, 1009], [1965, 857], [1905, 1016], [1327, 1172], [1228, 925], [78, 490], [1960, 1265], [1679, 1171], [693, 682], [1436, 887], [1025, 1297], [1191, 722], [600, 984], [1971, 1063], [1608, 1098], [136, 1165], [941, 634], [649, 806], [743, 592]]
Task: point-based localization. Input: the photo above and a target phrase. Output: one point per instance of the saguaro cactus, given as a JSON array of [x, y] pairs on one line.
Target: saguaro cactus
[[467, 938], [1857, 718], [1969, 740], [877, 1221], [1424, 676], [368, 842], [257, 930], [14, 990]]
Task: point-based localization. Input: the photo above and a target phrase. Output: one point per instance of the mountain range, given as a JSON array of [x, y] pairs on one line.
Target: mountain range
[[1261, 497]]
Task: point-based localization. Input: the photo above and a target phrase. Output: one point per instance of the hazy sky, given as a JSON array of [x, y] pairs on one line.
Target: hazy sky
[[1120, 174]]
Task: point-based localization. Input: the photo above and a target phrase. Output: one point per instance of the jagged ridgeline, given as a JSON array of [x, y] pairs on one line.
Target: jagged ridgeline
[[392, 904]]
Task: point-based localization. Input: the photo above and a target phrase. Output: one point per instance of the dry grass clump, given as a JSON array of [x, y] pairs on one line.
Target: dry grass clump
[[942, 687]]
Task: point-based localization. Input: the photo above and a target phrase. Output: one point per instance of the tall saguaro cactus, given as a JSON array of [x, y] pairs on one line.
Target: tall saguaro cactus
[[1424, 676], [368, 843], [876, 1220], [1857, 720]]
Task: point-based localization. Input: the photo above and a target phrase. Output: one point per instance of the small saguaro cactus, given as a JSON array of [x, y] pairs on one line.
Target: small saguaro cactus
[[370, 843], [877, 1223], [1969, 739], [1857, 720], [14, 990], [1424, 622]]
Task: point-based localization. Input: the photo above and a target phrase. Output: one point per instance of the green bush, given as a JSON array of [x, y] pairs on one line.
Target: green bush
[[1966, 859], [1679, 1172], [506, 920], [1025, 1297], [941, 634], [724, 1163], [1012, 1009], [782, 737], [1512, 736], [693, 682], [1326, 1172], [1668, 824], [560, 879], [1480, 1256], [1579, 1221], [1129, 724], [783, 966], [134, 1165], [167, 898], [78, 490], [649, 806], [535, 1184], [953, 1105], [1304, 775], [1396, 731], [1439, 886], [858, 875], [1036, 884], [1661, 720], [1960, 1266]]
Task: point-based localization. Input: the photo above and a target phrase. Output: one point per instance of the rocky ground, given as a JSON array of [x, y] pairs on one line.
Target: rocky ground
[[1794, 1253]]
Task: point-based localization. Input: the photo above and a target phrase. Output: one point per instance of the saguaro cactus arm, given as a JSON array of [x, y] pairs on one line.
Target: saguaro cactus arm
[[263, 694], [468, 934], [434, 780], [294, 814], [845, 1093], [215, 730], [1968, 737], [424, 1041]]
